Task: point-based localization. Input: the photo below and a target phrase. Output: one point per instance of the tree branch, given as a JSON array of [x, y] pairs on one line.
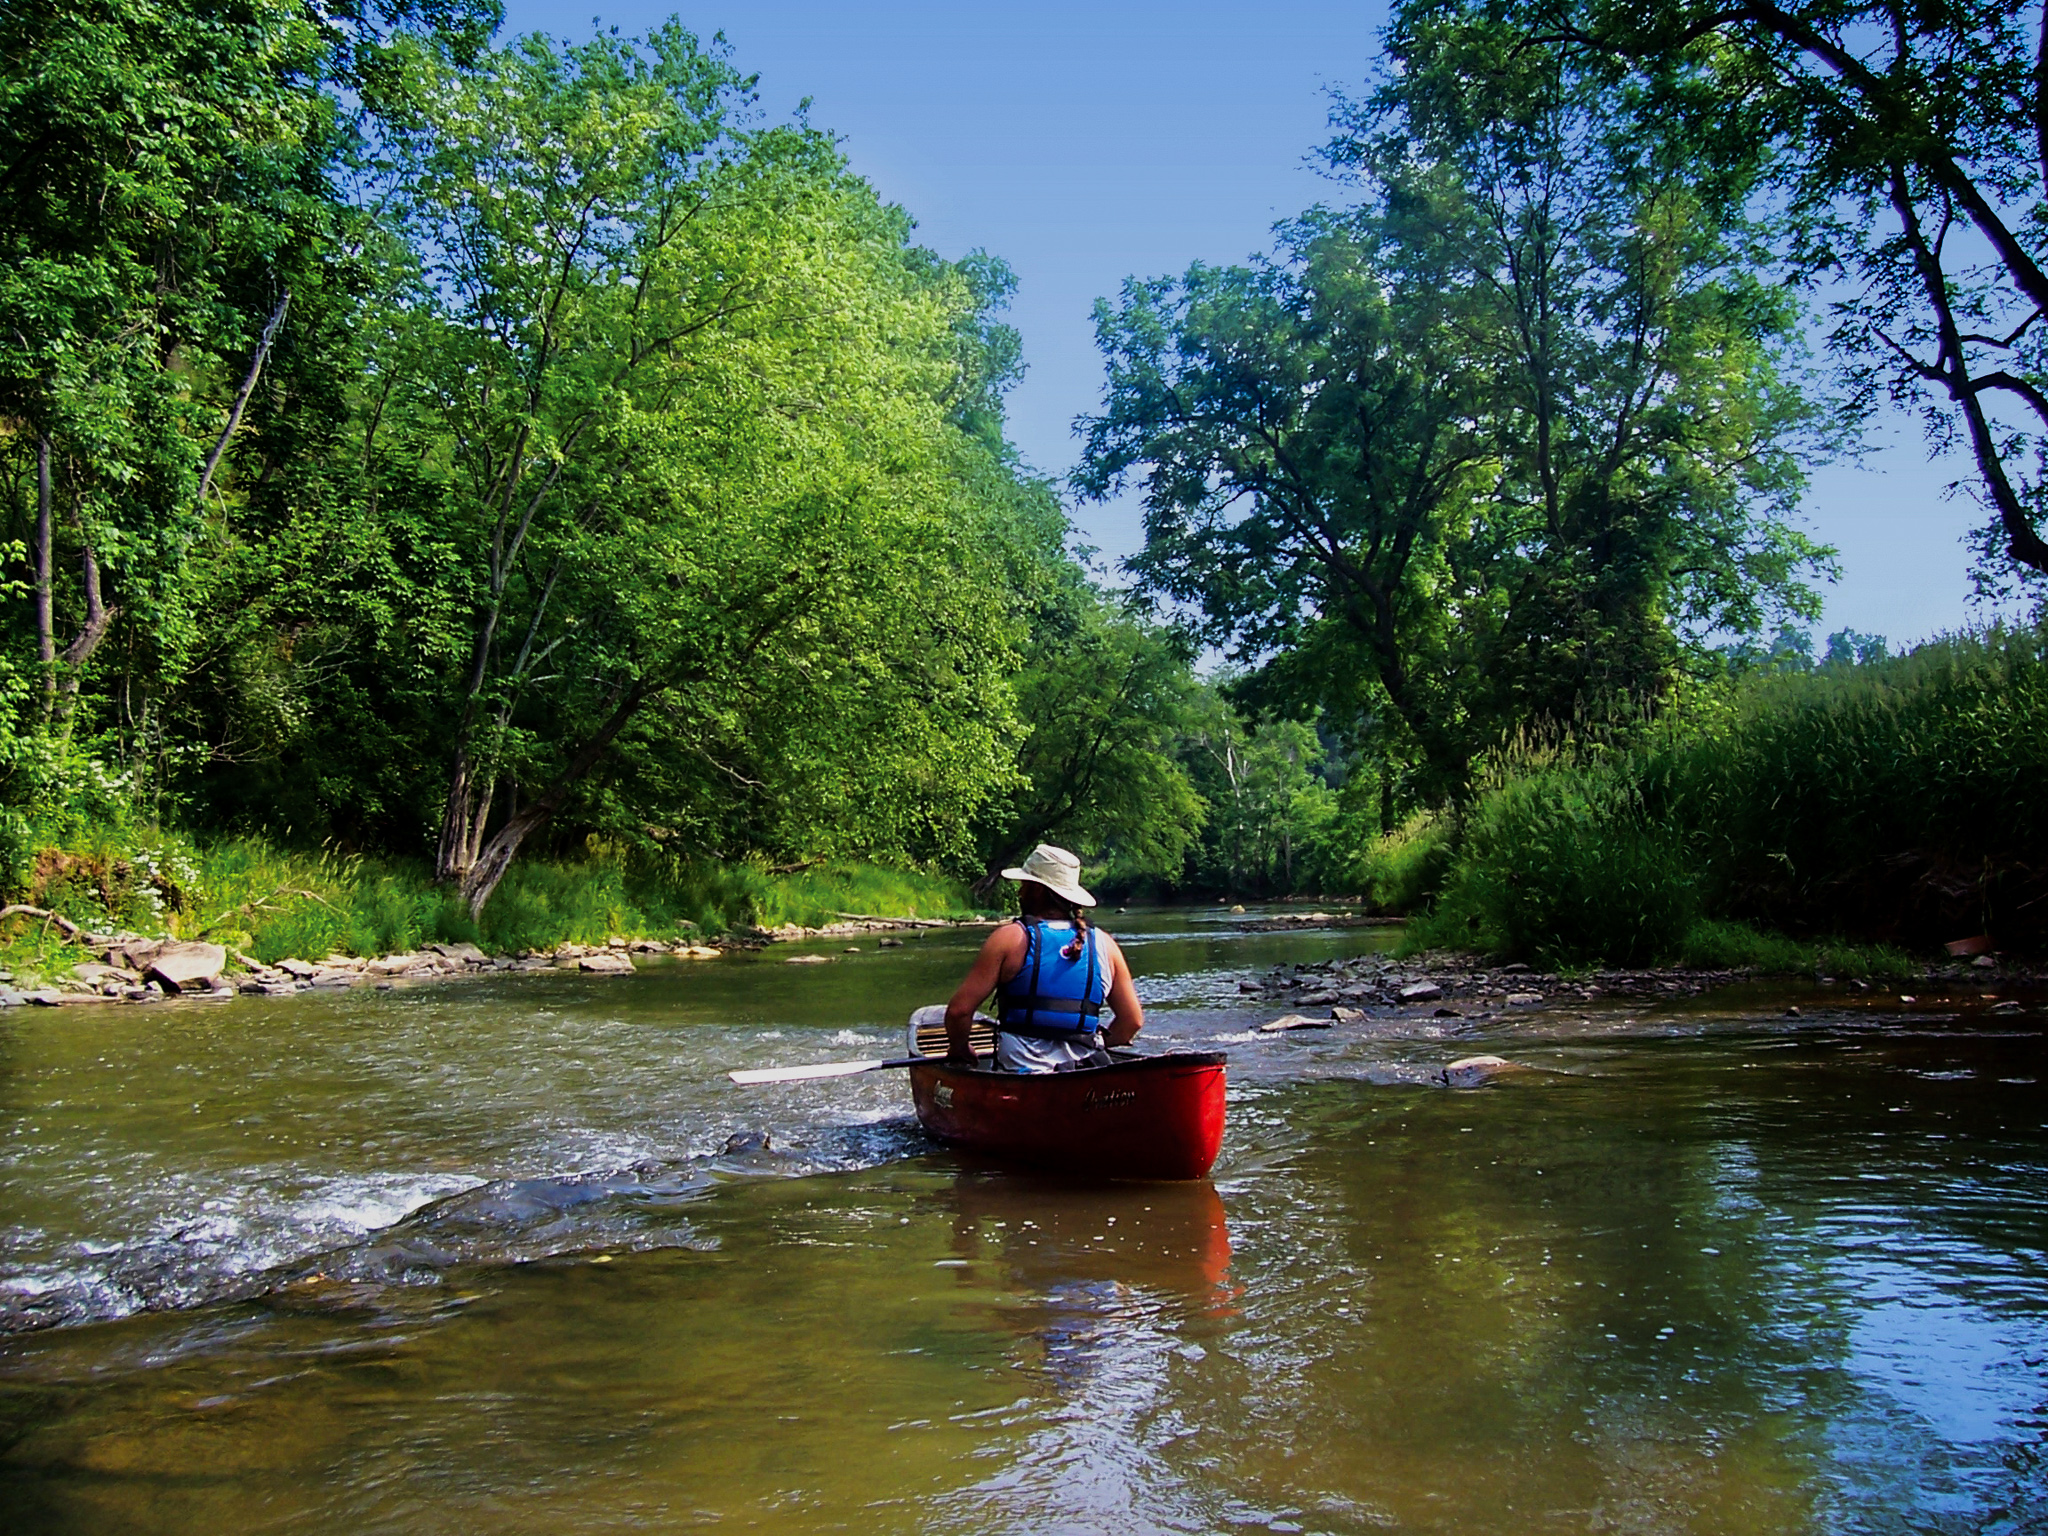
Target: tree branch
[[248, 388]]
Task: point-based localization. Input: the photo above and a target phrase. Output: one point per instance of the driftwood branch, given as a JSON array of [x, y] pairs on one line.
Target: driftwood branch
[[22, 909], [262, 903], [901, 922]]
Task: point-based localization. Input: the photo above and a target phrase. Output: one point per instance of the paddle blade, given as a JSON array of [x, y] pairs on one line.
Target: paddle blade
[[754, 1075]]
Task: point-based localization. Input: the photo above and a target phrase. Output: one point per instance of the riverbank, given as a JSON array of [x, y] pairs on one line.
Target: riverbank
[[274, 916], [1436, 984], [132, 968]]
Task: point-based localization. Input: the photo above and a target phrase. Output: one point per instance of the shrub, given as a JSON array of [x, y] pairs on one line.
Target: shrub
[[1404, 868], [1565, 867], [1899, 800]]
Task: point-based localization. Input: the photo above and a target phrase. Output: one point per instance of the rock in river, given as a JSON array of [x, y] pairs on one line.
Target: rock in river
[[1421, 992], [1293, 1021], [607, 961], [1471, 1071], [183, 967]]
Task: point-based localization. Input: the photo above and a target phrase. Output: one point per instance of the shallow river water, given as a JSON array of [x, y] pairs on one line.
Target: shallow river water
[[474, 1257]]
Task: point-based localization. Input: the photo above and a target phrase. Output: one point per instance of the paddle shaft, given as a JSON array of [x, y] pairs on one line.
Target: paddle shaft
[[755, 1075]]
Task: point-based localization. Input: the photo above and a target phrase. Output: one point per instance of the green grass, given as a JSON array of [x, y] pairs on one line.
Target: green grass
[[1565, 869], [38, 953], [271, 903], [1723, 946]]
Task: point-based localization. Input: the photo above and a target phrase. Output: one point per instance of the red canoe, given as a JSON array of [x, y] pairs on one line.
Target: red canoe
[[1144, 1117]]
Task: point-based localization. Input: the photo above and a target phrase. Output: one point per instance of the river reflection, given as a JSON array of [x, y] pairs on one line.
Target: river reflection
[[1092, 1270], [1696, 1273]]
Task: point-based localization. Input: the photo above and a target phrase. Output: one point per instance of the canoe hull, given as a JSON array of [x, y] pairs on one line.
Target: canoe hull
[[1151, 1117]]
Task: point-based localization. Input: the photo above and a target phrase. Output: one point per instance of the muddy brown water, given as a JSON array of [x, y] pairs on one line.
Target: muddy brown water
[[475, 1257]]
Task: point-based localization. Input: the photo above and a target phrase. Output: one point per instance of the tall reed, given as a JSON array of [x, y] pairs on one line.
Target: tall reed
[[1903, 800]]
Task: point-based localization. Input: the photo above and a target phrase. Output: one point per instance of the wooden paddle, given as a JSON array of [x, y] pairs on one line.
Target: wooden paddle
[[823, 1069]]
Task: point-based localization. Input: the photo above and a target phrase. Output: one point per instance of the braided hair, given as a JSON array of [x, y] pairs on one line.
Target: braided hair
[[1041, 901]]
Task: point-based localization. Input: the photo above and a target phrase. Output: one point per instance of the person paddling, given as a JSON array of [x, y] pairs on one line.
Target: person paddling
[[1053, 973]]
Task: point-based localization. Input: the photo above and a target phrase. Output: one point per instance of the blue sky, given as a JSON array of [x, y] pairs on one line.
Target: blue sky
[[1085, 143]]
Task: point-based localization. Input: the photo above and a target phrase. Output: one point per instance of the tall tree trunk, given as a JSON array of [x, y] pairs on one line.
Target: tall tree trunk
[[46, 622], [453, 854], [495, 856], [98, 619]]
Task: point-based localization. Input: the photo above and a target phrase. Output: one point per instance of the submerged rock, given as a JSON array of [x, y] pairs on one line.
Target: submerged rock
[[1294, 1021], [1471, 1071]]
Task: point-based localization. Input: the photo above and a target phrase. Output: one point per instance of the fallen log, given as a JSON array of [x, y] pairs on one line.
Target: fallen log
[[20, 909], [901, 922]]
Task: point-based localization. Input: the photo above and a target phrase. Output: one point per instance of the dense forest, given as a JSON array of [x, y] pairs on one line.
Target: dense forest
[[487, 487]]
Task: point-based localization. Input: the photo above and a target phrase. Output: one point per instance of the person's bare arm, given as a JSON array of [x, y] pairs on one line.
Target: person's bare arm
[[1123, 998], [1001, 947]]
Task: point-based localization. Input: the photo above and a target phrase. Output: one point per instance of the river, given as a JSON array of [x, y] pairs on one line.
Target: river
[[505, 1255]]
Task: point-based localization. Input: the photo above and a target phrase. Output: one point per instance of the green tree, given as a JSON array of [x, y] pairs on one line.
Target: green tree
[[177, 297], [1912, 150], [1272, 809], [1505, 439], [671, 393], [1642, 373], [1307, 441], [1101, 696], [163, 170]]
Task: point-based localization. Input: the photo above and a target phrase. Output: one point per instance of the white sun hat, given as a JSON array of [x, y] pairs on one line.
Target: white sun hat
[[1055, 869]]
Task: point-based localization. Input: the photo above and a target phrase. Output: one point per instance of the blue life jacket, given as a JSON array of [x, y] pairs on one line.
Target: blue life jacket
[[1052, 997]]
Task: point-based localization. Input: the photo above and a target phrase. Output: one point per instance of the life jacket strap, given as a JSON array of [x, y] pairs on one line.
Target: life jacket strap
[[1090, 1035]]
